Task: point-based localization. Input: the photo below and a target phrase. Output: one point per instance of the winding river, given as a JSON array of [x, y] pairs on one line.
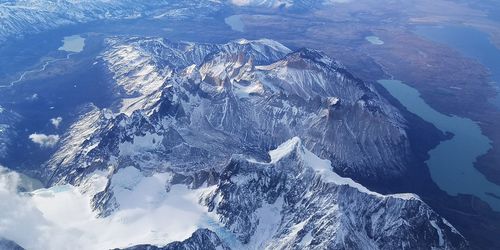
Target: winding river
[[451, 163], [71, 44]]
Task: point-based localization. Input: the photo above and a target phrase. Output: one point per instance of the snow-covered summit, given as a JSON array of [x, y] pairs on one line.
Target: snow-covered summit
[[201, 103], [209, 126], [297, 201]]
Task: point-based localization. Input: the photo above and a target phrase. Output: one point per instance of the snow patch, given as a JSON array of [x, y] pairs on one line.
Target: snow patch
[[324, 168], [132, 189], [284, 149], [269, 217], [440, 233], [140, 144]]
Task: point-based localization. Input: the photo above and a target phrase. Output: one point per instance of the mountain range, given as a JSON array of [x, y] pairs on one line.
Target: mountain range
[[253, 139]]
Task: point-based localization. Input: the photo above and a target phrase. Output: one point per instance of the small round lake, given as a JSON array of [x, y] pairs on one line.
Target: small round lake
[[451, 163], [73, 44]]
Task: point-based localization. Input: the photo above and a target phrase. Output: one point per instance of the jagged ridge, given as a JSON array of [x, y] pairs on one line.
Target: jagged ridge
[[205, 101], [314, 208]]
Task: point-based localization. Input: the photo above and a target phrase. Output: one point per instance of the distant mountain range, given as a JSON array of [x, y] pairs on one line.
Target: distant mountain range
[[21, 17]]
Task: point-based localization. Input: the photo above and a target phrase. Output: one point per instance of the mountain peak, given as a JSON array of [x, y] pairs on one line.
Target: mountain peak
[[285, 149], [294, 150], [265, 42]]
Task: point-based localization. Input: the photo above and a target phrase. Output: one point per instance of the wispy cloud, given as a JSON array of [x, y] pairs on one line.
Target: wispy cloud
[[56, 121], [21, 220]]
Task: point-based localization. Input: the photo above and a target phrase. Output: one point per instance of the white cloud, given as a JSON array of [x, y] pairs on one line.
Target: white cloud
[[20, 219], [56, 121], [33, 97], [61, 216], [44, 140]]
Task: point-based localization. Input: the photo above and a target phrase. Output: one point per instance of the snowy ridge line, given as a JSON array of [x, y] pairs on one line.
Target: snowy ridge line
[[205, 97], [323, 168], [281, 204], [214, 104]]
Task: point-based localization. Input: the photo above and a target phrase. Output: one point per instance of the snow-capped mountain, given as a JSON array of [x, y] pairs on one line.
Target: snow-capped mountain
[[264, 3], [242, 145], [20, 17], [295, 201], [191, 106], [297, 4], [291, 201]]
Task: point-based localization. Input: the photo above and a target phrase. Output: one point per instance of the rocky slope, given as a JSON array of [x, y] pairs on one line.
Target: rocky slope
[[202, 239], [295, 201], [7, 120], [191, 106], [9, 245], [206, 115]]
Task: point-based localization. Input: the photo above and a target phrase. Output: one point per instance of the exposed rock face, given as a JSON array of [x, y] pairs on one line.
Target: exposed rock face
[[7, 121], [202, 239], [9, 245], [191, 106], [297, 202], [208, 114]]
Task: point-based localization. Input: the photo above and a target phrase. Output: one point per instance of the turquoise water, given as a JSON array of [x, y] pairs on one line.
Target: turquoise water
[[451, 163], [73, 44], [235, 23], [471, 43], [375, 40]]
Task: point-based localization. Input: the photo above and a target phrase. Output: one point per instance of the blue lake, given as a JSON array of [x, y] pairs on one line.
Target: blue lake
[[471, 43], [74, 44], [451, 163]]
